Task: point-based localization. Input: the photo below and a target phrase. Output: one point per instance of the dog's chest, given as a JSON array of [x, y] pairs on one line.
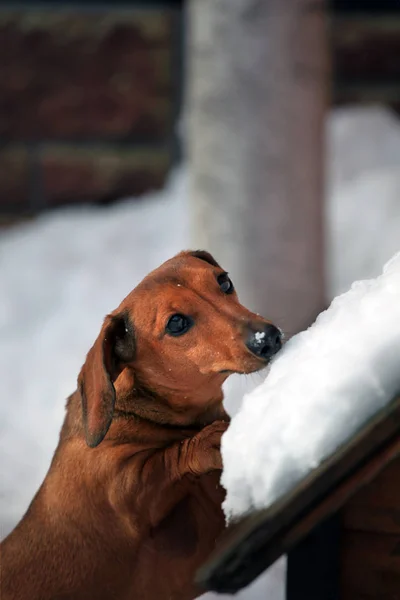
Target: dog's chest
[[194, 523], [182, 542]]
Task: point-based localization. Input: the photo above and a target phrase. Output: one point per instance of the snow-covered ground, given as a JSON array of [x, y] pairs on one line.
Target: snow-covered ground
[[62, 273]]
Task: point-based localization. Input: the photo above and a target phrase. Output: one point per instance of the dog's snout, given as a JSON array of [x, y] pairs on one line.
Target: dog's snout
[[265, 342]]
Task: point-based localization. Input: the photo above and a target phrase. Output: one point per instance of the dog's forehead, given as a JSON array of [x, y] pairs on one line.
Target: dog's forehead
[[182, 269]]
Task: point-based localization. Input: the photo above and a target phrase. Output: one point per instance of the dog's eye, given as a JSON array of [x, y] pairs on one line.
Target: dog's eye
[[178, 325], [225, 283]]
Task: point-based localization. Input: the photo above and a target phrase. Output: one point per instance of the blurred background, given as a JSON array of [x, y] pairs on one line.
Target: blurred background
[[266, 131]]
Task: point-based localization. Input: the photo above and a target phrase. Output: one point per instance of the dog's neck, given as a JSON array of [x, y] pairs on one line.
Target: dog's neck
[[135, 399], [148, 418]]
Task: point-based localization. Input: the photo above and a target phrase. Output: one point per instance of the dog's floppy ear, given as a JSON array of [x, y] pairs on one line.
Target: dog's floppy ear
[[204, 255], [114, 346]]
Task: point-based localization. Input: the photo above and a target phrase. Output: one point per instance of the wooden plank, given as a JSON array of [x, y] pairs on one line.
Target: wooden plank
[[343, 492], [370, 566], [376, 508], [258, 540], [313, 565]]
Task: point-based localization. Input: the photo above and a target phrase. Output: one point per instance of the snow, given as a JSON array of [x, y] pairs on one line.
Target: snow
[[259, 336], [326, 383], [61, 274]]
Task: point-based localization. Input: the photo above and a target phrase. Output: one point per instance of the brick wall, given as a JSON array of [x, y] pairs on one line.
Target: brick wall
[[89, 96], [365, 49], [88, 100]]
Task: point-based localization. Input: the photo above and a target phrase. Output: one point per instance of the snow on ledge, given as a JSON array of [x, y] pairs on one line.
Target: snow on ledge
[[324, 385]]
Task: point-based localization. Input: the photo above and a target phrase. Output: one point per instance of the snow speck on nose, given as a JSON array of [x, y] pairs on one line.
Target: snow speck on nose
[[259, 336]]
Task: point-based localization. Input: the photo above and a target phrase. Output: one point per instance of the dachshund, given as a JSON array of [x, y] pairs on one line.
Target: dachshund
[[131, 504]]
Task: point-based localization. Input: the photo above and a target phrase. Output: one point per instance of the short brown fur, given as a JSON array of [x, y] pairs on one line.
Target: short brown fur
[[131, 504]]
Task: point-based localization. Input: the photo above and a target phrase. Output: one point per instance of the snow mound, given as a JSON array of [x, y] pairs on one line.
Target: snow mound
[[324, 385]]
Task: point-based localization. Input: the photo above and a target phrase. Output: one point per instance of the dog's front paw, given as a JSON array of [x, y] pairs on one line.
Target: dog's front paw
[[204, 449]]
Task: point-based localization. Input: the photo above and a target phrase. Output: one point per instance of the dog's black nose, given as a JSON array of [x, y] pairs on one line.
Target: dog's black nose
[[266, 342]]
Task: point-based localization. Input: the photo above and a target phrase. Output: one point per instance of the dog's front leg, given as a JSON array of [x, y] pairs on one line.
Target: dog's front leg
[[167, 475]]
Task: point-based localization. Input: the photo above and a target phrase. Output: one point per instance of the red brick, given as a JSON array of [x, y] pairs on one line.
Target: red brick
[[75, 74], [14, 178], [101, 174], [366, 48]]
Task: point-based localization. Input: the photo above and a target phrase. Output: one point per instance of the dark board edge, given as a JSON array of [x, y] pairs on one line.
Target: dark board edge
[[252, 544]]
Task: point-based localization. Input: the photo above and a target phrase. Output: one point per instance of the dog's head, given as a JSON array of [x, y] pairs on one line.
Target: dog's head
[[178, 334]]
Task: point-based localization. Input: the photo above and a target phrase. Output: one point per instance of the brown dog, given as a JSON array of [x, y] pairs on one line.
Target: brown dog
[[131, 505]]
